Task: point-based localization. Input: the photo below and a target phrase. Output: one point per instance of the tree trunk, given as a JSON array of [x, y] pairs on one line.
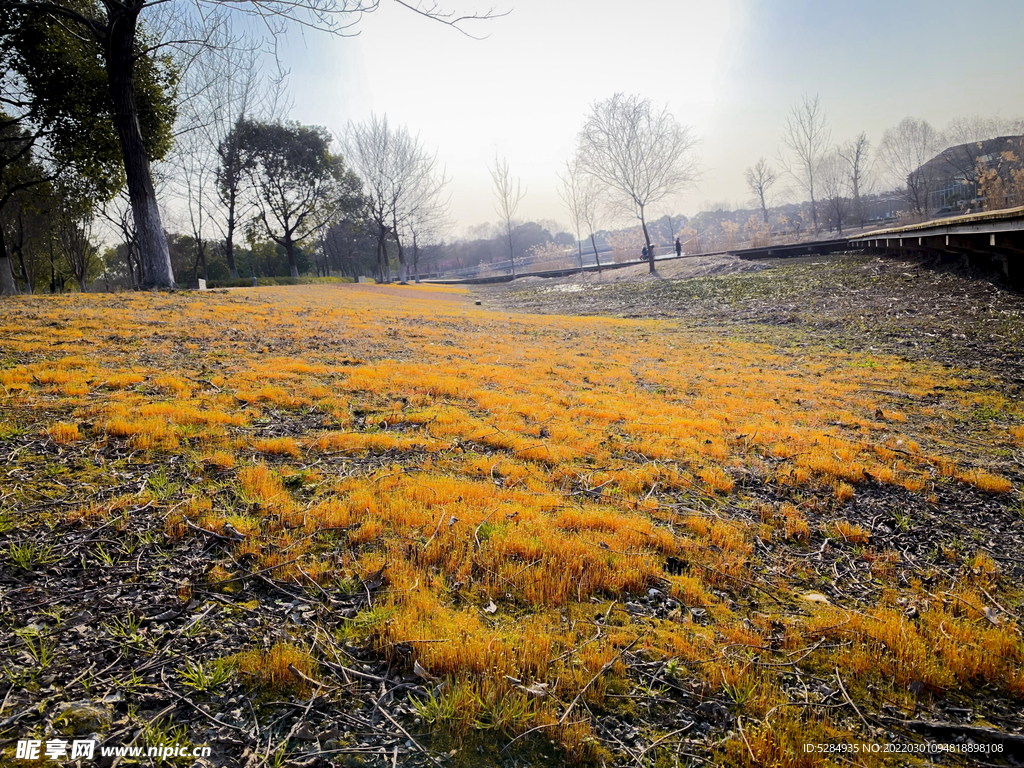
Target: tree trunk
[[53, 273], [381, 250], [856, 198], [415, 257], [141, 194], [597, 258], [511, 247], [289, 248], [30, 287], [131, 266], [382, 255], [579, 244], [27, 287], [229, 236], [647, 238], [403, 270], [7, 285]]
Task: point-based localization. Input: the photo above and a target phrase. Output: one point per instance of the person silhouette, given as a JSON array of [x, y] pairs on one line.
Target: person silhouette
[[679, 247]]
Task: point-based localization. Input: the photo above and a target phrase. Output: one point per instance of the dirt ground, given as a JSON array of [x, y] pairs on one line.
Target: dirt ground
[[676, 269], [911, 308]]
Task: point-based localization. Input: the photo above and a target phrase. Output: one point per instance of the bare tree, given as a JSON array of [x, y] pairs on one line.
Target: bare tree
[[27, 226], [592, 209], [573, 192], [508, 193], [415, 200], [73, 235], [903, 153], [198, 167], [18, 173], [761, 177], [806, 135], [427, 220], [223, 88], [401, 186], [428, 223], [855, 154], [117, 214], [834, 186], [641, 153], [368, 152]]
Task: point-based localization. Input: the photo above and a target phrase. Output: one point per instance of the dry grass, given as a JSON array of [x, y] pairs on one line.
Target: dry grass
[[547, 466]]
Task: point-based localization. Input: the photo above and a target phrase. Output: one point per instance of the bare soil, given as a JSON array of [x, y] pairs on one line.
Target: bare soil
[[676, 269], [906, 307]]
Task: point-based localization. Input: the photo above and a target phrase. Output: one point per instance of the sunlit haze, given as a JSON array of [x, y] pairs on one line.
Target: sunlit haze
[[731, 69]]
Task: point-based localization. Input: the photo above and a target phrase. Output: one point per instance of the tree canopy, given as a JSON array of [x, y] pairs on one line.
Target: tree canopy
[[61, 81], [299, 184]]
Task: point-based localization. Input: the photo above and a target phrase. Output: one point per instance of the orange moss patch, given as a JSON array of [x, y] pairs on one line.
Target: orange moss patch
[[272, 670], [122, 380], [985, 481], [219, 460], [852, 533], [361, 442], [843, 491], [144, 434], [62, 433], [796, 526], [259, 485], [281, 446]]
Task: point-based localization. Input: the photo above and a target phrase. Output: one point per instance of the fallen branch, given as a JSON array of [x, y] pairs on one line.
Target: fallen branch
[[850, 701]]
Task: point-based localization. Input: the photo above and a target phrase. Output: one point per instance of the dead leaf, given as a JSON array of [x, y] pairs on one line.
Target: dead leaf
[[419, 671], [816, 597], [537, 690], [304, 733]]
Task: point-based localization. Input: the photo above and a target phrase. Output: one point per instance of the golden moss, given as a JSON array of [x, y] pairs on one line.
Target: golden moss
[[273, 670], [282, 446], [514, 481], [62, 433]]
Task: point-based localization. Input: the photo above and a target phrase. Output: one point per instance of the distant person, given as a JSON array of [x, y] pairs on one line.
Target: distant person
[[679, 248], [644, 253]]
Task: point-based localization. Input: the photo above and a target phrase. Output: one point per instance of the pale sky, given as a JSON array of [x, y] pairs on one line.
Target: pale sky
[[731, 69]]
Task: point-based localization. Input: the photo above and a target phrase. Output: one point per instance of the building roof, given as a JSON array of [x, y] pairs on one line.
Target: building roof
[[961, 160]]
